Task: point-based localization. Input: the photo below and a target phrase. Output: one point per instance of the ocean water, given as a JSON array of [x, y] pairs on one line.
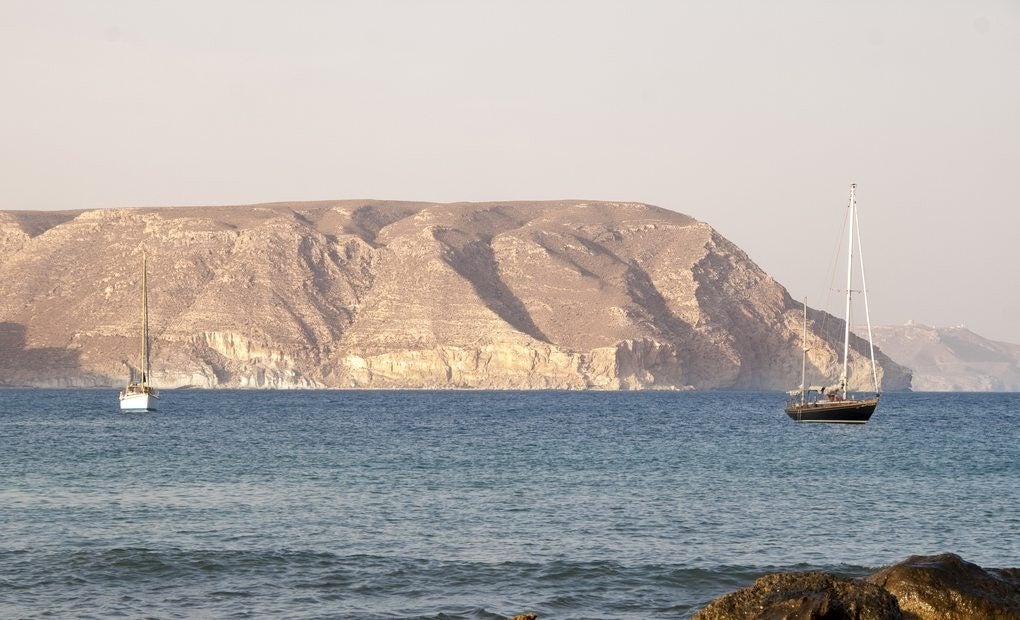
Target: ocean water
[[257, 504]]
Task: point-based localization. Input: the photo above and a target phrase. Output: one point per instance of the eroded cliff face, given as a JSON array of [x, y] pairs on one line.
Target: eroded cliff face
[[952, 359], [570, 295]]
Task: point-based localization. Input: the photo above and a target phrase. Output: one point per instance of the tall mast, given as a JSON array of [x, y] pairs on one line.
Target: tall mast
[[145, 324], [849, 285], [803, 359]]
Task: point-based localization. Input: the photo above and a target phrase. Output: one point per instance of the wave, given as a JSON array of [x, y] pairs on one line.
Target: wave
[[178, 582]]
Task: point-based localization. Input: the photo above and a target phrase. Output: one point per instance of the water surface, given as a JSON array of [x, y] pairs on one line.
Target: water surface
[[479, 504]]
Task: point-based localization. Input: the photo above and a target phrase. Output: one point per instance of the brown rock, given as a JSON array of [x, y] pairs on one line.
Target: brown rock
[[945, 587], [379, 294], [804, 596]]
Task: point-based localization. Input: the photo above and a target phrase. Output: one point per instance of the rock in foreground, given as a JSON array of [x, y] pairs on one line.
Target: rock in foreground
[[805, 596], [945, 587], [938, 587]]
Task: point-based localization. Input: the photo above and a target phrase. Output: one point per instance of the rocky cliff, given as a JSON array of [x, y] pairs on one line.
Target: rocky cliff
[[952, 358], [393, 294]]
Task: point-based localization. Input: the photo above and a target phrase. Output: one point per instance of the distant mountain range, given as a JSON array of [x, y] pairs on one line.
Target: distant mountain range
[[569, 294], [951, 358]]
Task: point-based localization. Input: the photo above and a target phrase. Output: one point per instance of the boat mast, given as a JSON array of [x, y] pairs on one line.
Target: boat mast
[[849, 285], [145, 324], [803, 359]]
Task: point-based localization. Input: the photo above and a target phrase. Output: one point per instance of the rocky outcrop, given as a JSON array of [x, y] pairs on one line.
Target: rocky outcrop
[[945, 587], [566, 295], [952, 359], [940, 587], [804, 596]]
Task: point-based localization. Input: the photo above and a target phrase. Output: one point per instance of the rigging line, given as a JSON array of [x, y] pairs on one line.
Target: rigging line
[[163, 324], [864, 291], [836, 248]]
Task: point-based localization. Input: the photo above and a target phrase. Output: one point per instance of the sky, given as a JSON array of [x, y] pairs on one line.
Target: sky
[[751, 116]]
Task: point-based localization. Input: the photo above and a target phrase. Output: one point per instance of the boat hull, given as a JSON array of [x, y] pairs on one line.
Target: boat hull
[[833, 412], [137, 402]]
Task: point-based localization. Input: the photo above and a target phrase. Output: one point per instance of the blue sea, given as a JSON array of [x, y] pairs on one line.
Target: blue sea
[[464, 504]]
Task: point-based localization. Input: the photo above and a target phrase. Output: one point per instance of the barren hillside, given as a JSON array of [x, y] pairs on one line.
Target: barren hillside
[[394, 294], [952, 358]]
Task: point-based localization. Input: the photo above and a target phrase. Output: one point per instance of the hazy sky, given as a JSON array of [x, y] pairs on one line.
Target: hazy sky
[[751, 116]]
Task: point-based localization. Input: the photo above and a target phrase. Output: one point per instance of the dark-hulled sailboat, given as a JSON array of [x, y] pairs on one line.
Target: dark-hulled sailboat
[[835, 404]]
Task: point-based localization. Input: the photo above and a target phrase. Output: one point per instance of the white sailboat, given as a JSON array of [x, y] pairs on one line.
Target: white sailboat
[[139, 395], [835, 403]]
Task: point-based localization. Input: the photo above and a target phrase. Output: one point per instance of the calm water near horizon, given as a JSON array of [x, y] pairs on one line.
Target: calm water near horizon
[[473, 504]]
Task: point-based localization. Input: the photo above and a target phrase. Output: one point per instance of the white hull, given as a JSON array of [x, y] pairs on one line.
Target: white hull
[[137, 402]]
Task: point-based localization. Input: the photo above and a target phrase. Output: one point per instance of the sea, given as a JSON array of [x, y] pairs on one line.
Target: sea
[[479, 504]]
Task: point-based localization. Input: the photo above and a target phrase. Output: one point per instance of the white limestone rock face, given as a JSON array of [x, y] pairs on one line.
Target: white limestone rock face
[[370, 294]]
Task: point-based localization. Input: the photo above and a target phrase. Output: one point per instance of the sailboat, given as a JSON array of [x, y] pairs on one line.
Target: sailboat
[[139, 395], [835, 403]]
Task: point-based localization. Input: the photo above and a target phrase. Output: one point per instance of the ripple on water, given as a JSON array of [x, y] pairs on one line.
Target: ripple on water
[[477, 505]]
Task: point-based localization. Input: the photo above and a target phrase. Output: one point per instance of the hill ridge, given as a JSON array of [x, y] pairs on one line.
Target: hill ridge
[[567, 294]]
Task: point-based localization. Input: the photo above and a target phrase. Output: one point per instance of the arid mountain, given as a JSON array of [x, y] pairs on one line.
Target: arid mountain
[[393, 294], [952, 358]]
